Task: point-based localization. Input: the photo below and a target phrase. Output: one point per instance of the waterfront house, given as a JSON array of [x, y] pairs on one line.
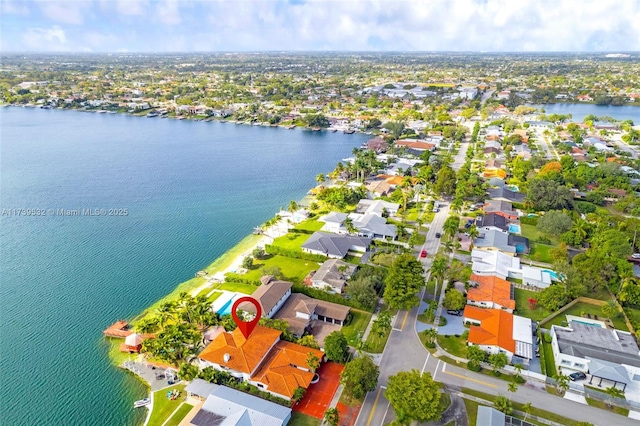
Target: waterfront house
[[498, 331], [377, 207], [271, 295], [226, 406], [261, 359], [335, 246]]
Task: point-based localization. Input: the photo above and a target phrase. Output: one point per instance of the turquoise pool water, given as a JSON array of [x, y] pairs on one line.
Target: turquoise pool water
[[514, 228], [588, 323], [553, 274], [226, 308]]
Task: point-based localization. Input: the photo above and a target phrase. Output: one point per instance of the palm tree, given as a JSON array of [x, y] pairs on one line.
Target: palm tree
[[438, 269], [166, 312], [512, 387], [527, 410], [348, 223], [614, 392], [562, 382], [451, 226], [320, 179], [456, 205], [430, 334], [293, 206]]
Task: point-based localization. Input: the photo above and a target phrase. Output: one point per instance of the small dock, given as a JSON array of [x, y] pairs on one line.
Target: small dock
[[118, 329]]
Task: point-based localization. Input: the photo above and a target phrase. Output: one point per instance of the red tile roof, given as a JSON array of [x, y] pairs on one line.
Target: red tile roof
[[495, 329], [491, 289]]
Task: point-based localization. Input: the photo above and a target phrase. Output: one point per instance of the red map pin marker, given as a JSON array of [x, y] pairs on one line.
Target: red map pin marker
[[246, 327]]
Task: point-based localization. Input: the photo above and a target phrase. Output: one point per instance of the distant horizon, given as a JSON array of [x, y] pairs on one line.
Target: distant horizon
[[214, 52], [319, 26]]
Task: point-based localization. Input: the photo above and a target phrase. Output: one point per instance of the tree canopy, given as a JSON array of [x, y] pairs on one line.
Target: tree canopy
[[402, 283], [336, 347], [414, 396], [359, 377]]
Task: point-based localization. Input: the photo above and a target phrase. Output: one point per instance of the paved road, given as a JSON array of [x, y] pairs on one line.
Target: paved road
[[546, 146], [404, 352], [617, 141]]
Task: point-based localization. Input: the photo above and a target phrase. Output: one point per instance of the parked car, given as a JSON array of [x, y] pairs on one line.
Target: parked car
[[577, 376], [423, 253], [454, 312], [636, 255], [438, 235]]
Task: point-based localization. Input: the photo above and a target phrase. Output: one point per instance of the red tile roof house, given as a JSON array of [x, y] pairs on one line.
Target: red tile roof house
[[497, 331], [262, 359], [488, 291]]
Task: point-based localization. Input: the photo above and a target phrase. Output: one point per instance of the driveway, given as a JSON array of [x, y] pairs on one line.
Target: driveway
[[454, 325]]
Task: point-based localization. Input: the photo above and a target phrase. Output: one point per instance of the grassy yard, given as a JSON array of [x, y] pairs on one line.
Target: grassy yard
[[239, 287], [178, 415], [375, 343], [358, 323], [309, 225], [294, 270], [585, 308], [352, 259], [603, 406], [520, 407], [522, 305], [299, 419], [164, 407], [454, 345], [291, 241], [472, 411], [532, 233], [540, 252], [549, 359]]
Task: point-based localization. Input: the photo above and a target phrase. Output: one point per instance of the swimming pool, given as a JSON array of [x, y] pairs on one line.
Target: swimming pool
[[588, 323], [515, 229], [554, 276], [226, 308]]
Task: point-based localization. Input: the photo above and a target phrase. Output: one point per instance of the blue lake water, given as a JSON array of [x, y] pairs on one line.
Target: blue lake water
[[579, 111], [191, 191]]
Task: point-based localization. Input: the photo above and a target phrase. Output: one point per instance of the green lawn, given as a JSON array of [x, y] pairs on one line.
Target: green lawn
[[358, 323], [540, 252], [291, 241], [549, 359], [375, 343], [178, 415], [520, 407], [603, 406], [299, 419], [214, 295], [532, 233], [294, 270], [522, 305], [352, 259], [309, 225], [239, 287], [472, 411], [164, 407], [454, 345], [585, 308]]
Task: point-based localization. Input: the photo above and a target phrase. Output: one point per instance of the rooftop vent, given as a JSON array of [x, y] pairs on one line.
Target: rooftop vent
[[226, 357]]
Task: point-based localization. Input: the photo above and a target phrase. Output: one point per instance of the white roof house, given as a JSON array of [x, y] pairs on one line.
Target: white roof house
[[229, 407], [505, 266], [535, 277], [376, 207]]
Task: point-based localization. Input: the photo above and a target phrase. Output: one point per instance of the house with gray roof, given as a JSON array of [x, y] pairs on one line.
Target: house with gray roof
[[228, 407], [502, 208], [334, 245], [591, 347], [377, 207], [373, 226], [271, 295], [333, 274], [488, 416], [492, 221], [497, 240], [505, 194]]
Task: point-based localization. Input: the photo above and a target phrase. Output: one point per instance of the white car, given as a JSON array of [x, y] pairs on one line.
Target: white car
[[636, 255]]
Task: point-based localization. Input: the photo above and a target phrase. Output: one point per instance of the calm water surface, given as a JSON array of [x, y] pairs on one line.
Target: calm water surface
[[192, 190], [579, 111]]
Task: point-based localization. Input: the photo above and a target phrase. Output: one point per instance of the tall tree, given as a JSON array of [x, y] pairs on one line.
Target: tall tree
[[402, 283], [414, 397], [336, 347], [359, 377], [446, 182]]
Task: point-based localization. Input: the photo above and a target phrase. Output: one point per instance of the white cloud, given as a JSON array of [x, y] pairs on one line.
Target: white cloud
[[131, 7], [67, 12], [10, 7], [51, 39], [167, 12]]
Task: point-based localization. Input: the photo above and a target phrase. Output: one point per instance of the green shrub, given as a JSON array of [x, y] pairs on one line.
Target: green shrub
[[275, 250], [329, 297]]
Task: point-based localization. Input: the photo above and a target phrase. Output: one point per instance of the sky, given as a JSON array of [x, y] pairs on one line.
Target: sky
[[319, 25]]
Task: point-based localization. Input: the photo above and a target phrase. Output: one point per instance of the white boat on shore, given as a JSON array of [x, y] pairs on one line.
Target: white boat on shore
[[141, 403]]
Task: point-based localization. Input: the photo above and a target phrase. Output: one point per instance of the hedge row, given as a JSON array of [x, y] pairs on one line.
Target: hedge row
[[275, 250], [236, 279], [328, 297]]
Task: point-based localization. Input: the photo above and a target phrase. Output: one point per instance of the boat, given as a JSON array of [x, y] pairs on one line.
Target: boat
[[348, 131], [141, 403], [293, 126]]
